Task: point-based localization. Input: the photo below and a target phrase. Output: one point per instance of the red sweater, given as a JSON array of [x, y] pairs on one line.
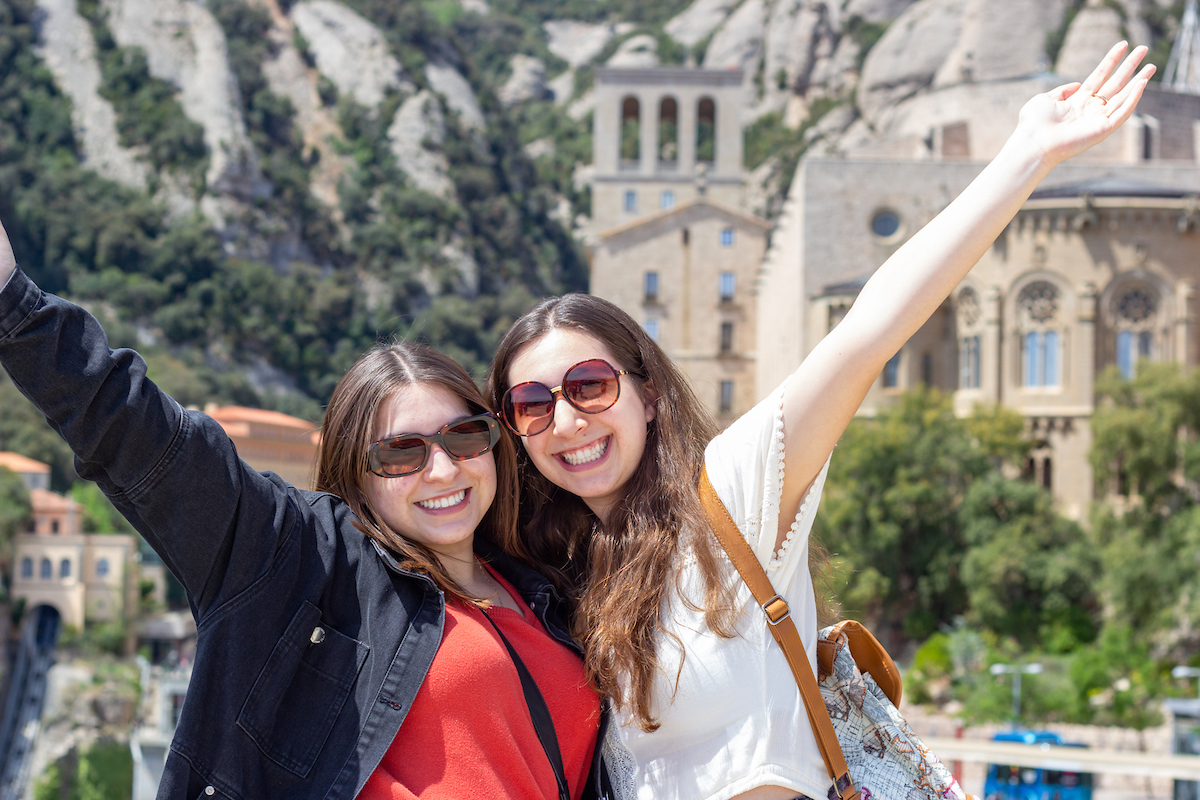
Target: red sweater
[[469, 734]]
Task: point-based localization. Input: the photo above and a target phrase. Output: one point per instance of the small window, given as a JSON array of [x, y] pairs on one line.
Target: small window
[[667, 199], [630, 200], [47, 569], [1041, 358], [968, 362], [64, 568], [1047, 474], [891, 372], [651, 287], [651, 326], [726, 403], [885, 224], [54, 526], [1132, 347], [927, 368], [102, 568], [726, 338], [1125, 359], [727, 237], [27, 568], [728, 286]]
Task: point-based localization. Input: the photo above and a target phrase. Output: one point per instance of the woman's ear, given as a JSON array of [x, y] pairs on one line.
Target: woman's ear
[[650, 397]]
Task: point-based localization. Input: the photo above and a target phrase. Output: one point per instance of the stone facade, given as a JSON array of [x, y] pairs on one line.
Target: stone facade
[[1098, 268], [95, 577], [34, 474], [271, 441], [687, 274], [84, 577], [671, 243], [664, 136]]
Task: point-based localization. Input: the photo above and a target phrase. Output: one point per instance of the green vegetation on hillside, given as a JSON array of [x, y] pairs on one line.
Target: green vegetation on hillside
[[148, 114]]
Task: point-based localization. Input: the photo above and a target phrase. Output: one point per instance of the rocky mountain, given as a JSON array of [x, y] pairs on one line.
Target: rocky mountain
[[260, 188]]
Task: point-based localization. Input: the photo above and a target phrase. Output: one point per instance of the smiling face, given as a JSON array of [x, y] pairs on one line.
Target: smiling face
[[442, 505], [592, 456]]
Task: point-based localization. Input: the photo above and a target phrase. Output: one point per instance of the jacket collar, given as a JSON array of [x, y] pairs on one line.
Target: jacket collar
[[524, 578]]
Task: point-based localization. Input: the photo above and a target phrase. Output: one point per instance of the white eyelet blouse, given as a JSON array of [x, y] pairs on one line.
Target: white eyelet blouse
[[736, 720]]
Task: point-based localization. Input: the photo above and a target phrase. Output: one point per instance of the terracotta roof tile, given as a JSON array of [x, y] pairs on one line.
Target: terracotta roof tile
[[19, 463]]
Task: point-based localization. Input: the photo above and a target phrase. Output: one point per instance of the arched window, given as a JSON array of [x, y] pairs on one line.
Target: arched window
[[631, 132], [47, 569], [102, 568], [891, 372], [668, 134], [27, 568], [1135, 311], [64, 568], [969, 313], [1041, 346], [706, 131]]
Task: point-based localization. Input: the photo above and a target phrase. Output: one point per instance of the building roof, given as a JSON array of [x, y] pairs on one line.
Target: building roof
[[852, 286], [1109, 186], [697, 204], [19, 463], [676, 76], [261, 416], [249, 423], [47, 502], [171, 625]]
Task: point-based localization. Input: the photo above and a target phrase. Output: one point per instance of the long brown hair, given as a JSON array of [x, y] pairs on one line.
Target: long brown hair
[[350, 427], [622, 566]]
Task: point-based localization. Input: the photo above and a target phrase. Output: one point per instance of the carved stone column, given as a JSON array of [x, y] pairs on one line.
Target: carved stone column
[[1084, 365], [992, 347], [1184, 322]]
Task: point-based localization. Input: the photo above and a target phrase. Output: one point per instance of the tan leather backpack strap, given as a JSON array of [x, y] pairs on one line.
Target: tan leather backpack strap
[[783, 629], [870, 656]]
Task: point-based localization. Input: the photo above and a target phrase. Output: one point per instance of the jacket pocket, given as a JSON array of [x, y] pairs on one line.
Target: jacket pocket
[[301, 690]]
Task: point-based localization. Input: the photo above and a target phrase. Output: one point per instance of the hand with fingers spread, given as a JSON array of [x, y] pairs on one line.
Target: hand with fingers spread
[[1068, 120]]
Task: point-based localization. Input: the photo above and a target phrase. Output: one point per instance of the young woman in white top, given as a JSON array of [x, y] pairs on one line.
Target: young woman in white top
[[705, 704]]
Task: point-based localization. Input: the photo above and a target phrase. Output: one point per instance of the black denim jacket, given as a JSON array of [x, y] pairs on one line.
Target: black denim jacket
[[275, 708]]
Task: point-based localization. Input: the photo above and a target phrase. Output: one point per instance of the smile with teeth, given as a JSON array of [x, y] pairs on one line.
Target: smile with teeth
[[449, 500], [585, 455]]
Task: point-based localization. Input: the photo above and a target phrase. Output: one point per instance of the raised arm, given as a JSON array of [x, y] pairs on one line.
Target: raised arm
[[173, 473], [827, 389]]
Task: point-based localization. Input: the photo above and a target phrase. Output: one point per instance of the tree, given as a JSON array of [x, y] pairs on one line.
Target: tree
[[895, 486], [16, 512], [24, 430], [1145, 451], [99, 515], [1028, 571]]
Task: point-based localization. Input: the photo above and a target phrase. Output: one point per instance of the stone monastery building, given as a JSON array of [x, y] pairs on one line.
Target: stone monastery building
[[1098, 270]]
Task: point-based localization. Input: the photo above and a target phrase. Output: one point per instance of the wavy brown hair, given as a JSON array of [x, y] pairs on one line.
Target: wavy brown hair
[[621, 567], [349, 429]]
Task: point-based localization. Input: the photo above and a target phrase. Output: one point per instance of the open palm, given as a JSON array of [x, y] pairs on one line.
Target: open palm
[[1068, 120]]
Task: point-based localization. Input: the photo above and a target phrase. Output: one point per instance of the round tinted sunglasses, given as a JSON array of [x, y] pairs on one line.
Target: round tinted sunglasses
[[408, 453], [590, 386]]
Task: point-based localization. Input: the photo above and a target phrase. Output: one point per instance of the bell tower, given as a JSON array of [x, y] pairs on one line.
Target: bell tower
[[664, 136]]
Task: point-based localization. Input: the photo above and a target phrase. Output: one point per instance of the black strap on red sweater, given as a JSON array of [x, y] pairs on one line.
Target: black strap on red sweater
[[539, 713]]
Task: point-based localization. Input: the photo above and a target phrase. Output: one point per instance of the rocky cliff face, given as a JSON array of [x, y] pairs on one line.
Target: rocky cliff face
[[870, 57]]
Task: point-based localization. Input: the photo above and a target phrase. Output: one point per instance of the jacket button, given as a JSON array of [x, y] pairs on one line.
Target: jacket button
[[318, 635], [210, 791]]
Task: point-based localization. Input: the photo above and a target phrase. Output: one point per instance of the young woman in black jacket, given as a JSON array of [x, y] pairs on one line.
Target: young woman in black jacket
[[352, 641]]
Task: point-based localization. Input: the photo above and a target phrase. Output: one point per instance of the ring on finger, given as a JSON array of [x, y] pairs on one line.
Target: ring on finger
[[1101, 98]]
